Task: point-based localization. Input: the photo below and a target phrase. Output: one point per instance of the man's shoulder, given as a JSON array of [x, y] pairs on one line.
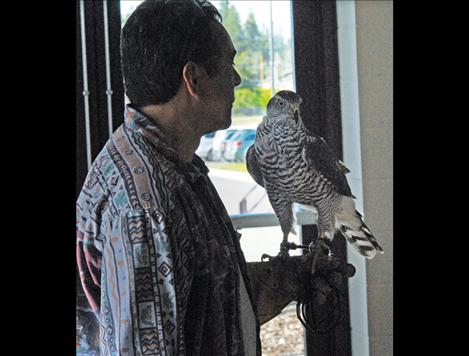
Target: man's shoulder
[[130, 174]]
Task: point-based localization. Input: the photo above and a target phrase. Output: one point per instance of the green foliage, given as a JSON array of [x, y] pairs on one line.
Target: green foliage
[[258, 41], [231, 166], [246, 67], [253, 60], [232, 23], [265, 95], [252, 45], [251, 101]]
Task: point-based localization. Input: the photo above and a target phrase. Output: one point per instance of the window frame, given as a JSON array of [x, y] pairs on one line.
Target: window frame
[[318, 83]]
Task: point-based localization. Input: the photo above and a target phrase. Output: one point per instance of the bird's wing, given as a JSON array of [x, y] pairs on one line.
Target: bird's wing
[[320, 157], [344, 167], [253, 167]]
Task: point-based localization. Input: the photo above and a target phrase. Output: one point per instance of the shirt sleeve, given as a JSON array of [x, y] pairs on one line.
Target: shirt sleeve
[[89, 257], [139, 311]]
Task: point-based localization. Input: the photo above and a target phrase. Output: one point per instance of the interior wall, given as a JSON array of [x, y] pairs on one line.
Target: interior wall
[[365, 54], [374, 39]]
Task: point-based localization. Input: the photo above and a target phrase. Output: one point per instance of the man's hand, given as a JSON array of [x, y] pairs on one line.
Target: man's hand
[[307, 278], [311, 278], [319, 275]]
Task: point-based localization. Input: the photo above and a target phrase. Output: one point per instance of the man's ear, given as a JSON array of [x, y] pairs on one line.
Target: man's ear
[[192, 76]]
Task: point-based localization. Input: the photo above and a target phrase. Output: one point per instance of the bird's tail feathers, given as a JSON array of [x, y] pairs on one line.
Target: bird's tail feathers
[[361, 239]]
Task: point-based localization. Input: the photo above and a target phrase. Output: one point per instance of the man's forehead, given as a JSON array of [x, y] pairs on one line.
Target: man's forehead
[[223, 38]]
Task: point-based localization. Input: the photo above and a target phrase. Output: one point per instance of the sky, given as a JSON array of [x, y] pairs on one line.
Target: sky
[[281, 12]]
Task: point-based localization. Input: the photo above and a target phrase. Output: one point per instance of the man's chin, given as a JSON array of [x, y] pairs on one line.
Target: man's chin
[[226, 123]]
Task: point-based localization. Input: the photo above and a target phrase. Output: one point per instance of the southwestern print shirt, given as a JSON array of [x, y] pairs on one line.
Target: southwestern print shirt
[[159, 261]]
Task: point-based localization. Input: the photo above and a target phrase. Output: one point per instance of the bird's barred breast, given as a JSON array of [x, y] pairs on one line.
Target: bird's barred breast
[[282, 167]]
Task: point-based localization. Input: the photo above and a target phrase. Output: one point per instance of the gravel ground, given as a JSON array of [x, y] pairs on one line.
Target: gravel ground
[[283, 335]]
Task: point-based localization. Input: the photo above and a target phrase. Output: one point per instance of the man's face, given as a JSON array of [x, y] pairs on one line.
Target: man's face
[[219, 91]]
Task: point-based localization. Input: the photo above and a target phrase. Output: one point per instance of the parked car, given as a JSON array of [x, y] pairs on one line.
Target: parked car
[[205, 147], [219, 143], [238, 145]]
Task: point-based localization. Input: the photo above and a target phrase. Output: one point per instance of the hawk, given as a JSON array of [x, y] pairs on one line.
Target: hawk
[[295, 166]]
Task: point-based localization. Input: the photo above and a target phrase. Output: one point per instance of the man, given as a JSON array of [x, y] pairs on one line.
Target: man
[[159, 261]]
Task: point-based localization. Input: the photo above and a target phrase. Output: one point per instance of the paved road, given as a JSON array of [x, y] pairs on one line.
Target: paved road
[[232, 187]]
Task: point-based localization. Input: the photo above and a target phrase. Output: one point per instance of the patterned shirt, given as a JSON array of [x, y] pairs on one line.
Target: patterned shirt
[[159, 261]]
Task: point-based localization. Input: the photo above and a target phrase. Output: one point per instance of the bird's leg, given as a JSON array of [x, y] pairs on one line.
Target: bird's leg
[[284, 212], [319, 247], [320, 243], [284, 247], [286, 221]]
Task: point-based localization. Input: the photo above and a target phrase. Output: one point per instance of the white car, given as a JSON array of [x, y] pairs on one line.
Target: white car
[[221, 139], [237, 146], [219, 142], [205, 147]]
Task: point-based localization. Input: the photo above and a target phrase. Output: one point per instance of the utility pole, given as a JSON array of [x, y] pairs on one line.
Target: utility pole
[[272, 49]]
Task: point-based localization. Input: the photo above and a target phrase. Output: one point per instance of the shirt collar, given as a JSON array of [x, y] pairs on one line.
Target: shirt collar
[[135, 121]]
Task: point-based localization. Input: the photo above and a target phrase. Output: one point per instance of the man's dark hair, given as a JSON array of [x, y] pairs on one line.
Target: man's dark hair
[[158, 39]]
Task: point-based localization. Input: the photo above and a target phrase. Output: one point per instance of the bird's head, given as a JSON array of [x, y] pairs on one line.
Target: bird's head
[[285, 103]]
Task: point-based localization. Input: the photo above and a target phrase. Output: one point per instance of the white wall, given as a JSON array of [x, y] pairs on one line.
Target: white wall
[[375, 79], [365, 31]]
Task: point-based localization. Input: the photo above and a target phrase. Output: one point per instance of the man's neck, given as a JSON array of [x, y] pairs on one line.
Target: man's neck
[[177, 126]]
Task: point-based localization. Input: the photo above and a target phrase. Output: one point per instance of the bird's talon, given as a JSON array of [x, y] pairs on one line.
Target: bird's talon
[[320, 246], [284, 248], [266, 256]]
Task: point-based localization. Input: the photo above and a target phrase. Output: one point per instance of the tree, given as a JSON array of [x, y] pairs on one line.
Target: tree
[[253, 59], [257, 44], [244, 60], [232, 23]]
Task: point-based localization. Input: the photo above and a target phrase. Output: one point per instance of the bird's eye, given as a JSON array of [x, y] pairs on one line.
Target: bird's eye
[[281, 103]]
